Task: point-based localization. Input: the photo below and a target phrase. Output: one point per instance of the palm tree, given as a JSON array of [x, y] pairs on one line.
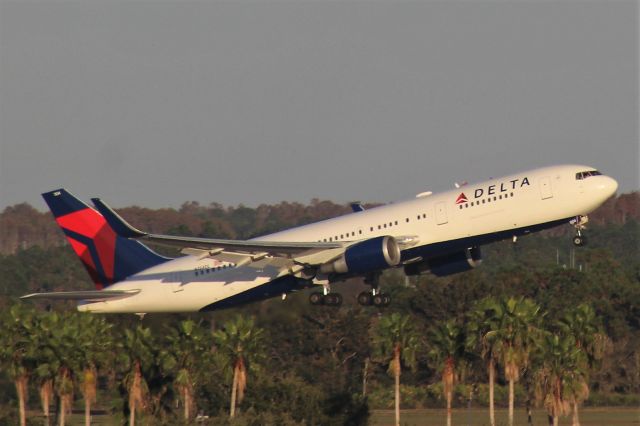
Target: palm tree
[[240, 342], [47, 362], [63, 341], [395, 335], [45, 384], [485, 317], [184, 356], [93, 354], [510, 333], [18, 350], [138, 353], [585, 327], [561, 376], [447, 342]]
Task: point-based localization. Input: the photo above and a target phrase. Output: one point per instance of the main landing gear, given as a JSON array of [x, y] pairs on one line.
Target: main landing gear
[[374, 297], [366, 298], [579, 223], [379, 300], [330, 299]]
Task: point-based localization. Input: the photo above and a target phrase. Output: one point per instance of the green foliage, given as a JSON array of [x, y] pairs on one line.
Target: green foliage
[[240, 338], [310, 367], [186, 358], [396, 331], [512, 331], [446, 340], [561, 376], [381, 397], [38, 269]]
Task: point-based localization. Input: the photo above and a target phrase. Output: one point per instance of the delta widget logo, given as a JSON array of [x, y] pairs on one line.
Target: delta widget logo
[[462, 199]]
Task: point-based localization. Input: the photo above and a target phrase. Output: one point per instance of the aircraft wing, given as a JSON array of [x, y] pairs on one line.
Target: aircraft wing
[[88, 295], [237, 251], [290, 257]]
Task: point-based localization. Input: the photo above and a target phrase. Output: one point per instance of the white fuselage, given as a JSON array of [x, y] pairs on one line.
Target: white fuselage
[[516, 202]]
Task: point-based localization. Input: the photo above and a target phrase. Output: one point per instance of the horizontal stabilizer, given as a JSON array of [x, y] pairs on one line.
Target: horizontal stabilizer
[[88, 295]]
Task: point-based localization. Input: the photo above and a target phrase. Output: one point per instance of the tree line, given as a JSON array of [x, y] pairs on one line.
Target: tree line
[[63, 353], [22, 226], [171, 371], [444, 341]]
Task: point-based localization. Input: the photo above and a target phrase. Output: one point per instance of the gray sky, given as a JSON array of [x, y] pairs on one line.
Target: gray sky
[[157, 103]]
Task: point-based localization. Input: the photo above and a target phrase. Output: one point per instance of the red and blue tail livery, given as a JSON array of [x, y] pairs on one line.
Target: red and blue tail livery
[[107, 257]]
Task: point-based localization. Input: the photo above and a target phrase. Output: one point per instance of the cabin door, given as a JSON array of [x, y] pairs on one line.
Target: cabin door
[[441, 213], [545, 188]]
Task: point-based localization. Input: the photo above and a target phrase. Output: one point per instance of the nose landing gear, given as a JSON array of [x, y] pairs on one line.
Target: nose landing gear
[[579, 223], [579, 239]]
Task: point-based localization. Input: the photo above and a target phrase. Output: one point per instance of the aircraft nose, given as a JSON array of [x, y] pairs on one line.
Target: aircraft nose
[[606, 185]]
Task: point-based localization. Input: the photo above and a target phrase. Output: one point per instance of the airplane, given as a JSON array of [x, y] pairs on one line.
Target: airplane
[[437, 233]]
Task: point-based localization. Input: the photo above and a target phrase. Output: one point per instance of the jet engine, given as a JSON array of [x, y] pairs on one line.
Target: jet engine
[[366, 256], [447, 265]]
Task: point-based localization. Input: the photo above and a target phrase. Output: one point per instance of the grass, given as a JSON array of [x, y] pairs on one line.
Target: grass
[[604, 416]]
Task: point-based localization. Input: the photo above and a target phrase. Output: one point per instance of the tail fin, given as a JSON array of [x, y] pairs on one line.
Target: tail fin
[[107, 257]]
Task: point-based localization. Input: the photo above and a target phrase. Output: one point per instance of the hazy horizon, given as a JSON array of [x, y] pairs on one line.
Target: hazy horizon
[[160, 103]]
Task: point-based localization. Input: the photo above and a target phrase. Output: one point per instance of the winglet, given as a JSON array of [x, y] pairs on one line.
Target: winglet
[[357, 206], [117, 223]]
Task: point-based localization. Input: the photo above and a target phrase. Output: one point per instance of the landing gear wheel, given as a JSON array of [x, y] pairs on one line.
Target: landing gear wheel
[[378, 300], [579, 223], [579, 240], [333, 299], [381, 300], [316, 298], [386, 300], [364, 298]]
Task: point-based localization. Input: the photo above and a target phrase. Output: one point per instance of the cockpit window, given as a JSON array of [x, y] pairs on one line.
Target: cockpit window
[[584, 175]]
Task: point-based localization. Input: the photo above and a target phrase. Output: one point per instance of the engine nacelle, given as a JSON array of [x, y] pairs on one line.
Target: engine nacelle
[[447, 265], [367, 256]]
